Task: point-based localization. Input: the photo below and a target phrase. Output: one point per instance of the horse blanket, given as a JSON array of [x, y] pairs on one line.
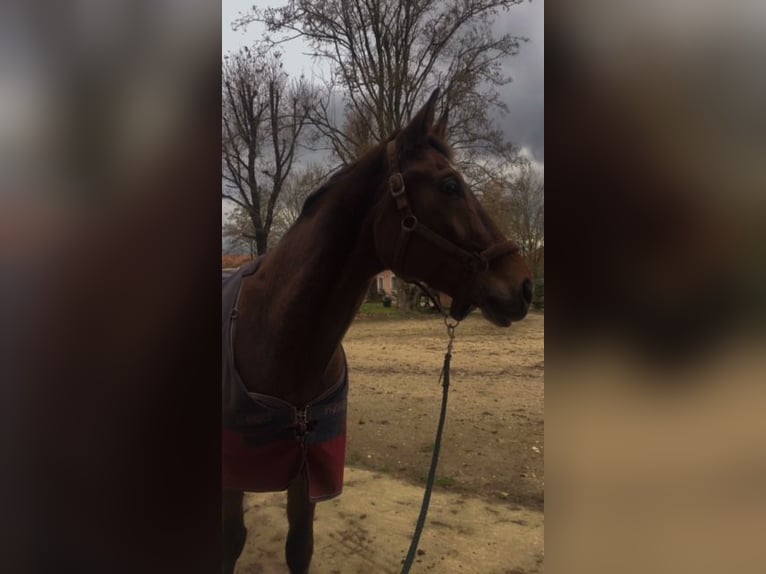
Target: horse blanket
[[266, 441]]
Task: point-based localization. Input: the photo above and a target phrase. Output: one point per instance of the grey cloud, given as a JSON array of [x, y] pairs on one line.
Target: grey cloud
[[524, 125]]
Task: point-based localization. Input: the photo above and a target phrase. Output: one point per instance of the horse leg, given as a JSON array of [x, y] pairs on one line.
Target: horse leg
[[300, 536], [234, 531]]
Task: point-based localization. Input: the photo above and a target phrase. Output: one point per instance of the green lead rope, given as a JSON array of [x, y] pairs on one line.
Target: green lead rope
[[434, 460]]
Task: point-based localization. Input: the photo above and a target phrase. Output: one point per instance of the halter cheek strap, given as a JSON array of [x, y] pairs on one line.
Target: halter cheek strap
[[471, 263]]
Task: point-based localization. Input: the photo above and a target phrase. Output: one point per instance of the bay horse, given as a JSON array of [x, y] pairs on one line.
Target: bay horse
[[402, 206]]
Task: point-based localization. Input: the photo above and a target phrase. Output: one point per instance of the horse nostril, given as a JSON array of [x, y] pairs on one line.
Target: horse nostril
[[527, 291]]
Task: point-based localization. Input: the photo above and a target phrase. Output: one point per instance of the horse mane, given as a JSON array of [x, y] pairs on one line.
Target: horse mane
[[312, 197]]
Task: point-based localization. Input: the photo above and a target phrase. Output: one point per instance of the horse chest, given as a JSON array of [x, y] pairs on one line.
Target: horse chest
[[266, 441]]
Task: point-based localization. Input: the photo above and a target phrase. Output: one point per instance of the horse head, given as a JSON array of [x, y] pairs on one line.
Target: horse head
[[431, 227]]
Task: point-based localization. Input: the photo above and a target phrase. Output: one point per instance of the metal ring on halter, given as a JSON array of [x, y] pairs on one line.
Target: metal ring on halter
[[396, 181], [409, 223]]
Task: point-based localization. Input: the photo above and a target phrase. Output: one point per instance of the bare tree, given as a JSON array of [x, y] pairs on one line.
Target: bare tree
[[516, 203], [239, 232], [527, 221], [519, 210], [264, 116], [387, 56]]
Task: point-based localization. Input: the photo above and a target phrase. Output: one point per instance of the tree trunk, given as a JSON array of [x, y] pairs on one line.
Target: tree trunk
[[261, 241], [372, 291], [407, 296]]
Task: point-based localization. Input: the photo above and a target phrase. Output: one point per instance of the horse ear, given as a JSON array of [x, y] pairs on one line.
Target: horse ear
[[419, 126], [440, 129]]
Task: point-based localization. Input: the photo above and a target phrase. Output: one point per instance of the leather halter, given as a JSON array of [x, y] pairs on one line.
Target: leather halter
[[473, 263]]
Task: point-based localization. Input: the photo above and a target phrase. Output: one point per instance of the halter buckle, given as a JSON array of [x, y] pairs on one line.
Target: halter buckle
[[396, 183]]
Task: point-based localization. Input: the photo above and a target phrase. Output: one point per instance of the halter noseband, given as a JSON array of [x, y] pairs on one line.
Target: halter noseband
[[473, 263]]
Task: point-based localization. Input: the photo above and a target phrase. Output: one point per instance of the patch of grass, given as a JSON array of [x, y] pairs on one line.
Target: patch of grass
[[376, 310], [441, 481], [353, 457], [445, 481]]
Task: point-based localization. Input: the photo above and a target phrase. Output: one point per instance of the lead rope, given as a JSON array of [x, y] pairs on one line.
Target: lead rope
[[444, 379]]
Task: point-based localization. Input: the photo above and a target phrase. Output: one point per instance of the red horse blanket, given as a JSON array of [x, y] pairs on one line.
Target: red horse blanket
[[266, 441]]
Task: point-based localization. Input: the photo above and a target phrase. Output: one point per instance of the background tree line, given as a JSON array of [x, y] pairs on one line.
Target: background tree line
[[384, 58]]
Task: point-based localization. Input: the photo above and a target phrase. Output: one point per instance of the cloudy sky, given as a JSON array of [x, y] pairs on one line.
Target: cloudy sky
[[524, 95]]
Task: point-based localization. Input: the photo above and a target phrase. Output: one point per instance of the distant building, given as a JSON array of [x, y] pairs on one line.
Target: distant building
[[384, 282]]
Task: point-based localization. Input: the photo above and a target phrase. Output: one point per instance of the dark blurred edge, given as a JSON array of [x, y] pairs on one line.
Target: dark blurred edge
[[662, 253], [655, 288], [110, 257]]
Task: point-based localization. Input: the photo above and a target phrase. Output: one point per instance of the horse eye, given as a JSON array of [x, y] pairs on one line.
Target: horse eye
[[451, 187]]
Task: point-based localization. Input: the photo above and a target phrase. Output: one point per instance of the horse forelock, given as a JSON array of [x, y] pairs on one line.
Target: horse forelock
[[441, 146]]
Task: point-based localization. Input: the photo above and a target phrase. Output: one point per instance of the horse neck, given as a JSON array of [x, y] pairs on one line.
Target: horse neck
[[295, 311]]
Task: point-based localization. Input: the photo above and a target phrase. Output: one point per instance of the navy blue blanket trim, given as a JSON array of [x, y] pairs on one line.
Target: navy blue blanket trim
[[263, 423]]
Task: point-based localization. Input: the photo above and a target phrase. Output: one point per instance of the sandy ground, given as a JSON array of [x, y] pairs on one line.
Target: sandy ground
[[487, 509]]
